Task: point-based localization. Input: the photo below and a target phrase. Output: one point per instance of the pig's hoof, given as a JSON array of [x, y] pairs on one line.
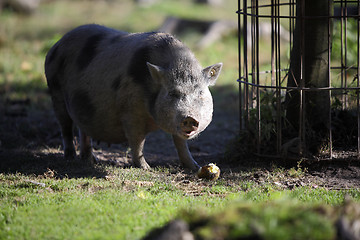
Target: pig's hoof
[[69, 155], [192, 166], [89, 159], [143, 165]]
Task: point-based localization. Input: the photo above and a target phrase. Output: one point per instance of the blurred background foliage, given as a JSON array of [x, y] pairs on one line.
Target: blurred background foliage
[[26, 38]]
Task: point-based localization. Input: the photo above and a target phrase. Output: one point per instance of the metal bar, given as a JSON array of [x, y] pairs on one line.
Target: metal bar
[[342, 51], [246, 72], [291, 13], [273, 59], [329, 81], [286, 69], [284, 4], [348, 68], [270, 5], [305, 17], [302, 82], [272, 43], [258, 106], [350, 1], [345, 67], [252, 55], [239, 66], [253, 45], [305, 89], [278, 84], [358, 81]]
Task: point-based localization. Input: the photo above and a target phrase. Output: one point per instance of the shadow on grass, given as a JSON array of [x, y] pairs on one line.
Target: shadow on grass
[[40, 164], [29, 137]]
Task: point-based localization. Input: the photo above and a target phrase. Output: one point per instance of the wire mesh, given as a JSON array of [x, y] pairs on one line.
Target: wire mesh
[[266, 39]]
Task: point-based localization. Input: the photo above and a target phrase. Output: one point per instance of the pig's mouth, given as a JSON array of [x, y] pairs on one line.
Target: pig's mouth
[[188, 134], [189, 128]]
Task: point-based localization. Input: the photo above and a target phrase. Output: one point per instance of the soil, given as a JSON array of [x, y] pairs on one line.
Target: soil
[[30, 143]]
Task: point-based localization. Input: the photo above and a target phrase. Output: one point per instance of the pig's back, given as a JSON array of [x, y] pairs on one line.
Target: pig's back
[[102, 76]]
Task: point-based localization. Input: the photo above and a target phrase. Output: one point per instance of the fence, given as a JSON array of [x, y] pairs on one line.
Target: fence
[[266, 40]]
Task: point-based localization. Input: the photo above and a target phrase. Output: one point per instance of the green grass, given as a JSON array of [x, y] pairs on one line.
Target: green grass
[[117, 207], [128, 203], [105, 214]]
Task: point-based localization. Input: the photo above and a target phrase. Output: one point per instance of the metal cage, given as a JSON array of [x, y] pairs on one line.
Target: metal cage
[[266, 37]]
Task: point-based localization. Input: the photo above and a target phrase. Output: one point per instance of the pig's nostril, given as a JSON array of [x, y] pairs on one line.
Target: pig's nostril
[[189, 122]]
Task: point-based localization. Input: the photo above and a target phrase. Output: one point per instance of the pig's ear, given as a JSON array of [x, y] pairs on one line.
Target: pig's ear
[[156, 72], [212, 73]]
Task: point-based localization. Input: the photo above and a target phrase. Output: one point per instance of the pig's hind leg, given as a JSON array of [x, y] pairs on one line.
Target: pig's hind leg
[[66, 124], [86, 153]]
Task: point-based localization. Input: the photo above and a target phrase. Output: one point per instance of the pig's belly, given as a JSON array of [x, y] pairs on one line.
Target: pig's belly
[[104, 130], [108, 135], [100, 119]]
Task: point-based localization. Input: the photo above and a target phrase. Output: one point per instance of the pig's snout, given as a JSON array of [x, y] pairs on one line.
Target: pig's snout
[[189, 126]]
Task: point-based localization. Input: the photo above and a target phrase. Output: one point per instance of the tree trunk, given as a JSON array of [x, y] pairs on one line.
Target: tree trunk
[[311, 42]]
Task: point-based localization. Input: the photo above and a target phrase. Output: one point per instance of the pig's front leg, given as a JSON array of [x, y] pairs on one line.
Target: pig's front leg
[[135, 132], [184, 153], [137, 145]]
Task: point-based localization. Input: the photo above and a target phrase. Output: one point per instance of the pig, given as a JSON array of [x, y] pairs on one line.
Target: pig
[[117, 86]]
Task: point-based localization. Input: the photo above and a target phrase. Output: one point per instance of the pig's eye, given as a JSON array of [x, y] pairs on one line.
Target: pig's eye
[[174, 94]]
